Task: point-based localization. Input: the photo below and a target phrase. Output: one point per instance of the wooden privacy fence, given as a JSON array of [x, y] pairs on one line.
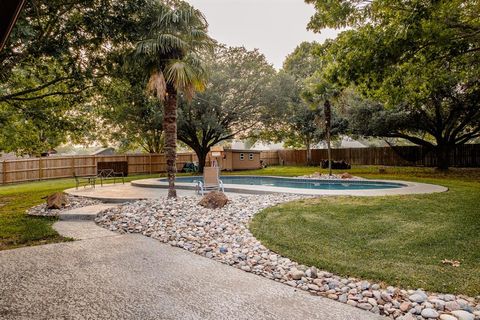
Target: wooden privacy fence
[[462, 156], [32, 169]]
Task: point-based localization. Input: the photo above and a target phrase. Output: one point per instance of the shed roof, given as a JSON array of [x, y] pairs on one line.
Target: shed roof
[[244, 150]]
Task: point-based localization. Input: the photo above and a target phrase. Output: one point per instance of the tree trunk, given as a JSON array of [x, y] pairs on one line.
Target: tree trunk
[[443, 156], [170, 127], [202, 158], [328, 118], [329, 153], [309, 153]]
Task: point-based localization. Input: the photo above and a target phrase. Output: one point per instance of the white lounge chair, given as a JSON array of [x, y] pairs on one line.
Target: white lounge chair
[[211, 181]]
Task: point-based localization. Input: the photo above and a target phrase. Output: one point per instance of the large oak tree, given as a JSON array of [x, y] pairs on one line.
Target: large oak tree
[[419, 59], [232, 104]]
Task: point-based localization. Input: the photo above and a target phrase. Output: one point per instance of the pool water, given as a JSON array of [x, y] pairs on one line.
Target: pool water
[[300, 183]]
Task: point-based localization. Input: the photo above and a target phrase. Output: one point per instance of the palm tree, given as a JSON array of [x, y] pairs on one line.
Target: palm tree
[[170, 55], [320, 91]]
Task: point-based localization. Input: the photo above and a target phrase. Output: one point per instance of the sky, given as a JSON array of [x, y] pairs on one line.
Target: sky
[[275, 27]]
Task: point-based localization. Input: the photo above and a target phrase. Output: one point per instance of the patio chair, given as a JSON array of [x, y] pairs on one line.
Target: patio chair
[[211, 181], [85, 181]]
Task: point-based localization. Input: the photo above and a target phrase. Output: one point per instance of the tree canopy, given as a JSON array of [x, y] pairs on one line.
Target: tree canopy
[[130, 116], [52, 65], [296, 117], [418, 59], [232, 103]]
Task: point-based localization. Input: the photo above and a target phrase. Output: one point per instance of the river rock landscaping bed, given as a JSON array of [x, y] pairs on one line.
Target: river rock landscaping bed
[[223, 235], [73, 203], [326, 176]]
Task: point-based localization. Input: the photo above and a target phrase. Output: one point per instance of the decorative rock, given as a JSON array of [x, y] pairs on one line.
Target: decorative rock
[[375, 286], [408, 316], [386, 297], [439, 304], [57, 200], [405, 306], [332, 296], [223, 250], [418, 297], [364, 306], [296, 274], [311, 272], [352, 303], [313, 287], [463, 315], [429, 313], [214, 200], [449, 297], [418, 309], [318, 282], [447, 317], [452, 305]]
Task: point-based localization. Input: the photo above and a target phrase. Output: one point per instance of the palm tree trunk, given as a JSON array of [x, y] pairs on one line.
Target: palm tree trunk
[[329, 153], [309, 152], [170, 128], [328, 121]]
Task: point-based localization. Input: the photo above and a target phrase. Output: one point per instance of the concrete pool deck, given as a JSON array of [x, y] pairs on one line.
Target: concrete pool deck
[[117, 193]]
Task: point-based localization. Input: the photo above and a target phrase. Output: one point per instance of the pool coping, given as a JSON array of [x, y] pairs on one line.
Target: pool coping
[[409, 188]]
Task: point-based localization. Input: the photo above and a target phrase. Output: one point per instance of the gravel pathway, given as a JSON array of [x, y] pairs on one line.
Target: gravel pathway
[[223, 235]]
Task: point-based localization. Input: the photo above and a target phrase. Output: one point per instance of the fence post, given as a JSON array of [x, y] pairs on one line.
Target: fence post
[[72, 165], [4, 167], [150, 163], [40, 173]]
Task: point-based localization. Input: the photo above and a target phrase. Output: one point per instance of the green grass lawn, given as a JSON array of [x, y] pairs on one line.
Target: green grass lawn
[[18, 229], [400, 240]]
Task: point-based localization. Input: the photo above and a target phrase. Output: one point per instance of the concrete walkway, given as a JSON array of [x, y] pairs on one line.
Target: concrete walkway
[[110, 276], [84, 213]]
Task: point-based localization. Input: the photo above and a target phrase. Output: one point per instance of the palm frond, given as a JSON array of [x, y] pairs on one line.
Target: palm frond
[[187, 76], [157, 85], [177, 35]]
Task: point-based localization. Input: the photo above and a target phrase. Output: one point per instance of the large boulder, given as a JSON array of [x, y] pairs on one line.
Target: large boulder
[[57, 200], [214, 200]]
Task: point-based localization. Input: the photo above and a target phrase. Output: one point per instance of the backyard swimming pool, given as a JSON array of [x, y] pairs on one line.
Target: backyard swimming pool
[[313, 187], [299, 183]]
